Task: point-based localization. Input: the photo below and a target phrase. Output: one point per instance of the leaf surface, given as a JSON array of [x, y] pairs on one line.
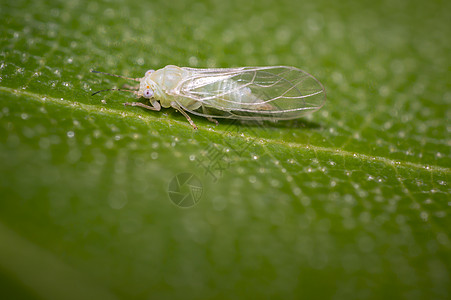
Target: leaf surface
[[350, 202]]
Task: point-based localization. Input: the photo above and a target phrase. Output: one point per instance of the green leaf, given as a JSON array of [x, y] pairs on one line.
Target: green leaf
[[350, 202]]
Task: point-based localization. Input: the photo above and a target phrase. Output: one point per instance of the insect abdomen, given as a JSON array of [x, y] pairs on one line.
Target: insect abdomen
[[231, 94]]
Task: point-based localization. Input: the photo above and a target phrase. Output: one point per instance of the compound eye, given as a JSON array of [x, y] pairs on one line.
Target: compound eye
[[149, 72], [148, 93]]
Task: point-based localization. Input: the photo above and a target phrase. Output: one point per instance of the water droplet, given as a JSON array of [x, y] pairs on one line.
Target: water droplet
[[109, 144], [96, 133], [440, 214], [424, 215], [305, 201], [154, 155], [70, 134], [193, 61]]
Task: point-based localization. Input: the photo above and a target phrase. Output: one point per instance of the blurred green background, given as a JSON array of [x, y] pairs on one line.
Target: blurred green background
[[351, 202]]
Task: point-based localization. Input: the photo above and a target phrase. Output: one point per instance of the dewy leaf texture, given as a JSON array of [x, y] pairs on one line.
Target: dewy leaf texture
[[350, 202]]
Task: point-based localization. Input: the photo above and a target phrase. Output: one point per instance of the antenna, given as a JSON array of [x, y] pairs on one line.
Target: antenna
[[135, 79], [122, 90]]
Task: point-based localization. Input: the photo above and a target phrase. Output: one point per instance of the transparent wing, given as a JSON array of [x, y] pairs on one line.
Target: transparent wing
[[250, 93]]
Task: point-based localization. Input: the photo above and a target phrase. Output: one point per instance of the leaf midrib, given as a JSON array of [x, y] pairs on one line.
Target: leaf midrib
[[343, 153]]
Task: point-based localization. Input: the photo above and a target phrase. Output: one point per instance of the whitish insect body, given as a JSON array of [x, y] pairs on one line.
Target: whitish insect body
[[264, 93]]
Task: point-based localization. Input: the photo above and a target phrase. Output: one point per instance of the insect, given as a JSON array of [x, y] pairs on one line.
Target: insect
[[247, 93]]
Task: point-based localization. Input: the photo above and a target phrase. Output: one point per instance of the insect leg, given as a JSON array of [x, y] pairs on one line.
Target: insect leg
[[209, 118], [143, 105], [212, 120], [177, 107]]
